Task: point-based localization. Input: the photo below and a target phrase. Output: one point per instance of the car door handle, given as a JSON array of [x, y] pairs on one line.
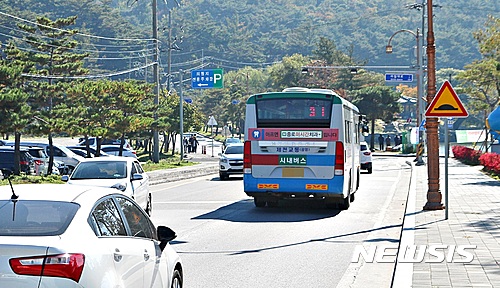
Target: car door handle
[[146, 255], [117, 256]]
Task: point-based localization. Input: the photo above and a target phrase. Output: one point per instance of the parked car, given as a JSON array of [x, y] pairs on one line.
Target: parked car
[[61, 153], [82, 151], [123, 173], [92, 142], [365, 157], [27, 163], [231, 161], [42, 162], [92, 237], [115, 150], [230, 141]]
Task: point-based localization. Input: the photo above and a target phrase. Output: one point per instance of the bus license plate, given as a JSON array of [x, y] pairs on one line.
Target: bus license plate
[[292, 172]]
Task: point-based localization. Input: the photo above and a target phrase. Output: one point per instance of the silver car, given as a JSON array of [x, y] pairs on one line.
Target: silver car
[[123, 173], [231, 161]]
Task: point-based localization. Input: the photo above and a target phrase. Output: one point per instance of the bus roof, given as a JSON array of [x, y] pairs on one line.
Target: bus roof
[[299, 92]]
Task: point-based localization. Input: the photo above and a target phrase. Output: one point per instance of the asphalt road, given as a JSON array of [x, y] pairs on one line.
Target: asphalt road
[[225, 241]]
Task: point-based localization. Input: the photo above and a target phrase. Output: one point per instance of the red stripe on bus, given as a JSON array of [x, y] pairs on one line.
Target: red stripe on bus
[[265, 159]]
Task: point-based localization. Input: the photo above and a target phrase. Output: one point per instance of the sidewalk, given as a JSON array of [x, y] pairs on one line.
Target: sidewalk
[[474, 219], [206, 165]]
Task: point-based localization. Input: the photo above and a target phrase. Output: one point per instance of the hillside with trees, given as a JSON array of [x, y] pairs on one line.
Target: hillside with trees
[[53, 47]]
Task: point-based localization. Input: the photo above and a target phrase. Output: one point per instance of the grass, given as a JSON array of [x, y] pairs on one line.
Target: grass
[[167, 161]]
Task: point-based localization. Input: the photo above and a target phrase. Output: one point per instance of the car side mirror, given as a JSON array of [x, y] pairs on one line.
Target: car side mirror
[[137, 176], [165, 235], [65, 178]]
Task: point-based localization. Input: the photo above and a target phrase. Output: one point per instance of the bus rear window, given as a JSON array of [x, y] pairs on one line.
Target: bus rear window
[[297, 112]]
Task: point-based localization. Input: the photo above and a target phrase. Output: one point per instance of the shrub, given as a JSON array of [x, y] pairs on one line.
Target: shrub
[[466, 155], [491, 162]]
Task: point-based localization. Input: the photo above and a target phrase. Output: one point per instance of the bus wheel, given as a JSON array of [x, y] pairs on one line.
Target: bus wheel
[[273, 203], [352, 197], [259, 202], [346, 203]]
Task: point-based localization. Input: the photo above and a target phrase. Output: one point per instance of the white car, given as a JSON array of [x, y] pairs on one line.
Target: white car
[[123, 173], [231, 161], [61, 153], [115, 150], [52, 236], [365, 157]]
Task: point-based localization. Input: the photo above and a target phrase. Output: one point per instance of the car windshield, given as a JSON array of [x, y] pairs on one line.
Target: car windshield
[[234, 150], [30, 217], [364, 147], [232, 140], [100, 170]]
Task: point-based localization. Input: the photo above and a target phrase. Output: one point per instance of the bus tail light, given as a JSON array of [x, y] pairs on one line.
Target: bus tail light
[[247, 157], [64, 265], [339, 158]]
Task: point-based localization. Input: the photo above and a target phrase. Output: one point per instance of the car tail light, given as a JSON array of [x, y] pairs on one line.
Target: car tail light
[[367, 153], [63, 265], [247, 157], [24, 162], [38, 162], [339, 158]]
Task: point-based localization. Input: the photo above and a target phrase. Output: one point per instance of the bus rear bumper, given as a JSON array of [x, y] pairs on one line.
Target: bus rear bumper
[[294, 188]]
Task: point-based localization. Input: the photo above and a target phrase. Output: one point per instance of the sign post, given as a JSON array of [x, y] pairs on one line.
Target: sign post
[[398, 77], [207, 78], [446, 104], [211, 122]]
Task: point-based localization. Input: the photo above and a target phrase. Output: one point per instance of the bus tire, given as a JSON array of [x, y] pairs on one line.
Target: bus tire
[[352, 197], [259, 202]]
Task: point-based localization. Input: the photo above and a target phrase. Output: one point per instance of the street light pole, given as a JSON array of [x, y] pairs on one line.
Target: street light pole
[[156, 141], [434, 196], [420, 82], [181, 115]]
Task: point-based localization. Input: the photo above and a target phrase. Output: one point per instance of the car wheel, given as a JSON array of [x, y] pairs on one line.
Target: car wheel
[[370, 169], [223, 176], [259, 202], [149, 205], [176, 280]]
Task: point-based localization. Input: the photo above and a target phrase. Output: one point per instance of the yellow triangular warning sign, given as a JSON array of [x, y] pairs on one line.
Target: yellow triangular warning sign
[[446, 104]]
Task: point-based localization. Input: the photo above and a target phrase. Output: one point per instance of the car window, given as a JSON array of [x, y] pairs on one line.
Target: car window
[[107, 219], [364, 147], [30, 217], [138, 222], [234, 150], [111, 149], [100, 170], [134, 170], [138, 168]]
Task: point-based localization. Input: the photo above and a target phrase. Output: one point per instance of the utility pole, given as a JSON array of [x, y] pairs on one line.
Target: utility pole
[[181, 116], [169, 51], [156, 141], [434, 196]]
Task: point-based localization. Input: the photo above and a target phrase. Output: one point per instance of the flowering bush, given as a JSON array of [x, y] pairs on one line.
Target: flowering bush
[[491, 162], [466, 155]]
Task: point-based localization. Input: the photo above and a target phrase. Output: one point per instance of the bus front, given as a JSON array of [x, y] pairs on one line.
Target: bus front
[[293, 147]]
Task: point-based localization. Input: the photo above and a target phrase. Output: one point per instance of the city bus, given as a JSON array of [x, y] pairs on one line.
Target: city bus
[[302, 143]]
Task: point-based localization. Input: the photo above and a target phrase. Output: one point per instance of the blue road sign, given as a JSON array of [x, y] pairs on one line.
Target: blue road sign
[[396, 77], [208, 78], [188, 100]]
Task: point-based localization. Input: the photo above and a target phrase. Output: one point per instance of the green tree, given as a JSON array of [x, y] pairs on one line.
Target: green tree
[[15, 113], [377, 102], [46, 54], [288, 73], [481, 78]]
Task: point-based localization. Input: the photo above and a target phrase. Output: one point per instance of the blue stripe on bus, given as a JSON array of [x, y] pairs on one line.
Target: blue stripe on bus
[[311, 160], [335, 185]]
